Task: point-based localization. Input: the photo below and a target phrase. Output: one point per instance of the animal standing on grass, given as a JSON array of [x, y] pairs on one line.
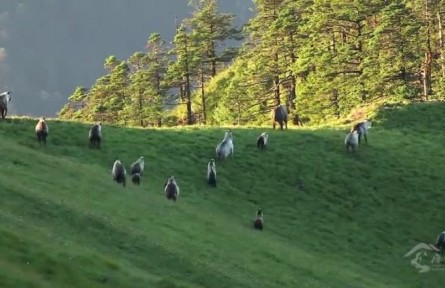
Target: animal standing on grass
[[225, 147], [258, 223], [211, 173], [95, 135], [351, 141], [440, 242], [119, 173], [42, 131], [171, 189], [362, 130], [262, 140], [5, 97], [279, 114], [136, 170]]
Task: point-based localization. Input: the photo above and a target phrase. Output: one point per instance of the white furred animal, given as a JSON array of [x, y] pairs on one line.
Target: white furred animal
[[211, 173], [5, 97], [351, 141], [137, 168], [225, 147], [362, 130], [171, 189], [262, 140], [42, 130], [119, 173]]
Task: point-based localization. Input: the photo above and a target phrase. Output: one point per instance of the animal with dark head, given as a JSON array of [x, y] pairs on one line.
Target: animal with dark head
[[225, 147], [42, 130], [362, 130], [5, 97], [171, 189], [137, 168], [279, 114], [262, 140], [119, 173], [211, 173], [95, 135], [351, 141], [259, 222], [440, 242]]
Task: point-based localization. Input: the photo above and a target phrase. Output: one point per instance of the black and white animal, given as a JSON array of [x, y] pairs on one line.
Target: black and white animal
[[119, 173], [136, 170], [279, 114], [351, 141], [225, 147], [211, 173], [95, 135], [5, 97], [262, 140], [362, 130], [259, 222], [440, 242], [42, 130], [171, 189]]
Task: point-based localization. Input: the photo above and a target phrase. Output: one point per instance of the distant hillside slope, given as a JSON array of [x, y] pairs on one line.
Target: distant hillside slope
[[331, 219]]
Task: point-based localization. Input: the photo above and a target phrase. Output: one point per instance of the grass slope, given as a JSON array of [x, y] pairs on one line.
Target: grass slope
[[65, 223]]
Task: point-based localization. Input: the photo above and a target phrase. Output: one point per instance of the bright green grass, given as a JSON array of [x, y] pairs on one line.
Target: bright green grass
[[65, 223]]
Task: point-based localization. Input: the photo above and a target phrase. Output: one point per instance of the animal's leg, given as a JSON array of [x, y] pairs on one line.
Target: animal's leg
[[281, 125], [366, 138]]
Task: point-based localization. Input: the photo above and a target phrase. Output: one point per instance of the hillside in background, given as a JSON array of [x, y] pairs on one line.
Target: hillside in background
[[331, 219]]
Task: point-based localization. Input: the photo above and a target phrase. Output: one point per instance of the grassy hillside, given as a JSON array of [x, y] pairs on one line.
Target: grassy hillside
[[331, 219]]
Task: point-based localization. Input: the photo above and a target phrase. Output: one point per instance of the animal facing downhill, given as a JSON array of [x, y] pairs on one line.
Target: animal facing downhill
[[42, 130], [136, 170], [351, 141], [362, 130], [119, 173], [5, 97], [279, 114], [211, 173], [258, 223], [262, 140], [225, 147], [95, 135], [440, 242], [171, 189]]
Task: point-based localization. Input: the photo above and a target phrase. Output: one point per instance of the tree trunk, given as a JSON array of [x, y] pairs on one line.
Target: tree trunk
[[428, 60], [203, 99], [441, 38]]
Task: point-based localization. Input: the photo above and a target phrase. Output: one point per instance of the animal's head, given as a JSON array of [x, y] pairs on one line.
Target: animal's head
[[212, 162], [7, 94], [171, 180], [259, 213], [228, 134]]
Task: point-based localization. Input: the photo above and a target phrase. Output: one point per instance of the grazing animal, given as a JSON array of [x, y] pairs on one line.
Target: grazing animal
[[262, 140], [119, 173], [5, 97], [279, 114], [362, 130], [211, 173], [258, 223], [95, 135], [440, 242], [136, 170], [171, 189], [42, 130], [351, 141], [225, 147]]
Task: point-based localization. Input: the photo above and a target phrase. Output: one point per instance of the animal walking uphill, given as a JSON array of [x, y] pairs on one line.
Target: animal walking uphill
[[211, 173], [259, 222], [279, 114], [5, 97], [42, 130], [136, 170], [362, 130], [171, 189], [119, 173], [225, 147], [262, 140], [95, 135]]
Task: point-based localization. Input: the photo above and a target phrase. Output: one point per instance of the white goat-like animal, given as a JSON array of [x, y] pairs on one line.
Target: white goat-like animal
[[137, 168], [5, 97], [171, 189], [119, 173], [225, 147], [211, 173], [351, 141], [262, 140]]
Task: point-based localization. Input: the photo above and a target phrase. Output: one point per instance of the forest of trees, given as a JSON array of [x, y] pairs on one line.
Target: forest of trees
[[321, 58]]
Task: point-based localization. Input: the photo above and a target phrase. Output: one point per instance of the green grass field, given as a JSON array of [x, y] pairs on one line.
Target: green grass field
[[65, 223]]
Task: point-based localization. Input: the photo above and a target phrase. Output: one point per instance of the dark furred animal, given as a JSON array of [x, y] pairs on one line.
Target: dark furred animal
[[262, 140], [211, 173], [258, 223], [136, 170], [42, 130], [171, 189], [362, 130], [5, 97], [95, 135], [119, 173], [279, 115], [440, 242]]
